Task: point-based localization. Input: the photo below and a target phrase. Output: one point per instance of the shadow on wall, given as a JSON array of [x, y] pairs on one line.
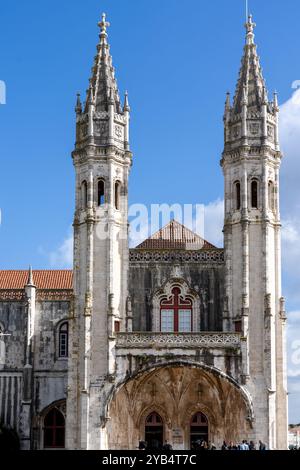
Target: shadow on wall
[[9, 439]]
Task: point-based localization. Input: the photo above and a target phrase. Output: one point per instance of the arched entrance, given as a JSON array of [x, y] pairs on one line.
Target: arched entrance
[[198, 429], [154, 431], [179, 404], [54, 430]]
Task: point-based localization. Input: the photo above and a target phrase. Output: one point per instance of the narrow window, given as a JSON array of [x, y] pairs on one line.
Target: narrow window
[[271, 195], [254, 195], [117, 326], [198, 430], [63, 340], [154, 431], [117, 195], [84, 194], [237, 195], [101, 194], [54, 429]]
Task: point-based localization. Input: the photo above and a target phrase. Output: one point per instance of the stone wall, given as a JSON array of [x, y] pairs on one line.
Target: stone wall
[[205, 278]]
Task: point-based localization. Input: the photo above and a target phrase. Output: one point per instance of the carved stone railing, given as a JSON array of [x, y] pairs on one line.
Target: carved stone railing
[[169, 256], [178, 340]]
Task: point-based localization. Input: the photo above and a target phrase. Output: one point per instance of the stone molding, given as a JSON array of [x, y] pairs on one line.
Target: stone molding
[[150, 256], [175, 340]]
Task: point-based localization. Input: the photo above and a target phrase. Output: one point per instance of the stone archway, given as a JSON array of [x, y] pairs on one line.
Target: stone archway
[[177, 392]]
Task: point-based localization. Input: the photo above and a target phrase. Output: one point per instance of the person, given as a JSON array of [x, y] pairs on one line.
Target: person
[[224, 446], [232, 446], [167, 446], [262, 446], [252, 446], [244, 445], [142, 445], [203, 445]]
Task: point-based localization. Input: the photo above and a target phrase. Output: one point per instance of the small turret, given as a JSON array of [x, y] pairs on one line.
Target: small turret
[[78, 108]]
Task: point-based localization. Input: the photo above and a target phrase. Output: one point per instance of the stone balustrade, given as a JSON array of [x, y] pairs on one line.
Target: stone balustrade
[[178, 340]]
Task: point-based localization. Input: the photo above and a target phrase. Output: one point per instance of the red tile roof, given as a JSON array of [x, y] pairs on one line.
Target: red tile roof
[[42, 279], [175, 236]]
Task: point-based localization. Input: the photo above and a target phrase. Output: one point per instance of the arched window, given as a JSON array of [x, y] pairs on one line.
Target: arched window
[[198, 429], [176, 313], [117, 195], [54, 429], [63, 340], [271, 201], [154, 431], [237, 186], [84, 195], [254, 194], [101, 193]]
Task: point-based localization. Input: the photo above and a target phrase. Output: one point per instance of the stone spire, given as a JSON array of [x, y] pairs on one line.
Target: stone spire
[[30, 281], [103, 85], [251, 87], [251, 119], [102, 120]]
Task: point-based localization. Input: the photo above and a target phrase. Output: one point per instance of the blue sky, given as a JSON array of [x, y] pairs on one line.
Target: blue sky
[[177, 59]]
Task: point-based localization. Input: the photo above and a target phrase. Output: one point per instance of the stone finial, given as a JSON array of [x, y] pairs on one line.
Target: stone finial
[[276, 105], [90, 94], [111, 96], [264, 96], [30, 277], [126, 106], [245, 95], [103, 25], [78, 108], [227, 102], [250, 30]]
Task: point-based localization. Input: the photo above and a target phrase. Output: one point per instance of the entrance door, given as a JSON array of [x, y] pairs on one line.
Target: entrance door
[[198, 429], [154, 431]]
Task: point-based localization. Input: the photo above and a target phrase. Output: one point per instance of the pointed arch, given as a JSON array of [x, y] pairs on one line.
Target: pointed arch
[[100, 192], [53, 425], [237, 195], [84, 195], [117, 194], [254, 194], [176, 307]]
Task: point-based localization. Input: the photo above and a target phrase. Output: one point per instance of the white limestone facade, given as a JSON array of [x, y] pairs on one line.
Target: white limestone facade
[[175, 339]]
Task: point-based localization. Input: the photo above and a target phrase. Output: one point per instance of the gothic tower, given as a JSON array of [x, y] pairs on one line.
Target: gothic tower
[[102, 160], [254, 304]]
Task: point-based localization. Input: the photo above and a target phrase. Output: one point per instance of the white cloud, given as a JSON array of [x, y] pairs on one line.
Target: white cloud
[[213, 222], [206, 220], [294, 317], [290, 196], [290, 139], [62, 257]]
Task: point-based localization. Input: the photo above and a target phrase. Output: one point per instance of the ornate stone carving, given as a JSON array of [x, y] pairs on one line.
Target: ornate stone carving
[[12, 294], [235, 132], [101, 128], [118, 132], [101, 115], [270, 132], [212, 256], [52, 295], [175, 340], [254, 128]]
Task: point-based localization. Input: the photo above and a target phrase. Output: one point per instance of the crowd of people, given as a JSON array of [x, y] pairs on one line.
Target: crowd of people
[[200, 445]]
